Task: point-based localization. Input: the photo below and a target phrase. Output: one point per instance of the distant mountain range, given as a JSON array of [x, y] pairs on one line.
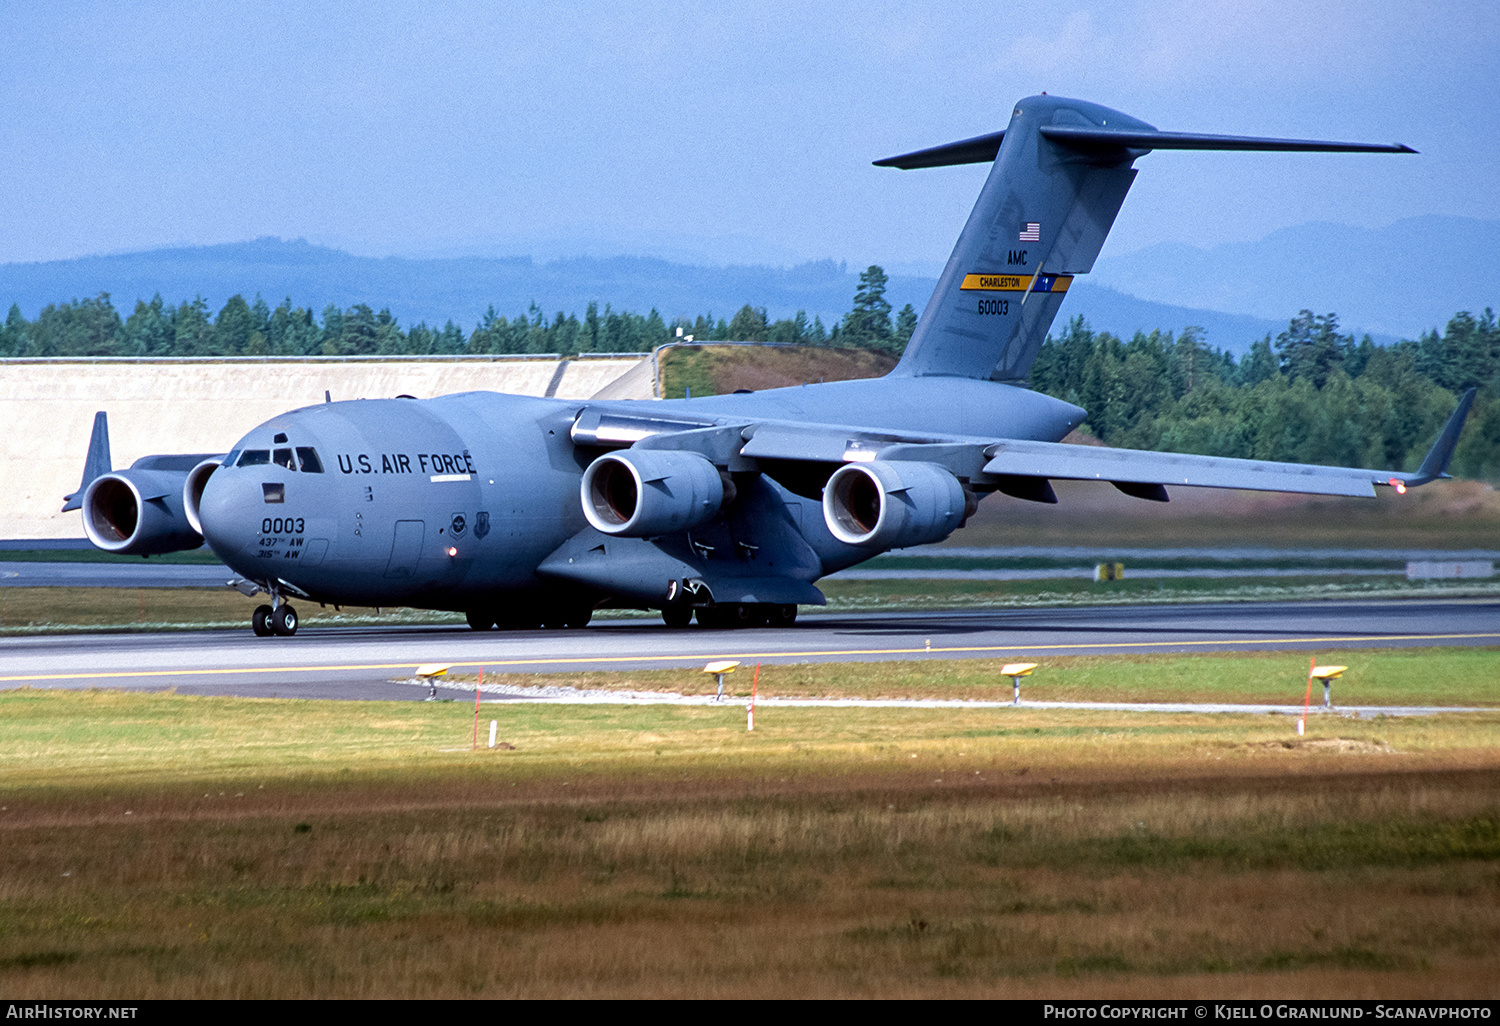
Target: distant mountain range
[[1444, 265], [1398, 281]]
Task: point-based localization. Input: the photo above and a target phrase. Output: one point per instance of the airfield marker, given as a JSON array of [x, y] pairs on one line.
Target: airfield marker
[[477, 689], [494, 725], [1302, 723], [1015, 671], [718, 669], [1328, 674], [750, 709]]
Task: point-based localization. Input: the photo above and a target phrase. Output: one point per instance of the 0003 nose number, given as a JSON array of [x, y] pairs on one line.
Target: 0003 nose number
[[281, 525]]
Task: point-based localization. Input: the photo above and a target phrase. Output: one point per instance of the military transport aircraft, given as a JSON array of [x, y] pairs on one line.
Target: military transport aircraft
[[522, 511]]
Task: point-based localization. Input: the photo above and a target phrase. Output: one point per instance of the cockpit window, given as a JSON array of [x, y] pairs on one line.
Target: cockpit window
[[254, 458], [308, 457], [283, 458], [228, 461]]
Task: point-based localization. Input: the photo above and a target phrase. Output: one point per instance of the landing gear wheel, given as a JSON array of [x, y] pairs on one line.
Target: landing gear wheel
[[284, 621], [711, 617], [676, 616], [782, 616], [579, 617], [480, 621], [260, 621], [746, 614]]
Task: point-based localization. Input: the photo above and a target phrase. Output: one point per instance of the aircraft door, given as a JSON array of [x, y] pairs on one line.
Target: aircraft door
[[406, 548]]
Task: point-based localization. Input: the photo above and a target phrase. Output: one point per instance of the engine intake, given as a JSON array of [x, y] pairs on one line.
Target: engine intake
[[192, 491], [891, 505], [138, 513], [640, 493]]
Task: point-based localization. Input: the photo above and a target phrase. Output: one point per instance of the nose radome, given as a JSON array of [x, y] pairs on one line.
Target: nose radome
[[228, 510]]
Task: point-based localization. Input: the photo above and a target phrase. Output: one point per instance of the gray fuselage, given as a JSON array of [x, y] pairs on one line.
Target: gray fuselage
[[448, 502]]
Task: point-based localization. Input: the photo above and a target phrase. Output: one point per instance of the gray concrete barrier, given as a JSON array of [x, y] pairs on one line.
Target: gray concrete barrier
[[204, 405]]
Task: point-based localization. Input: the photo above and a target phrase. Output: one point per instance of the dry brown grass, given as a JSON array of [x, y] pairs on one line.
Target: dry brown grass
[[347, 851], [710, 369], [1148, 889]]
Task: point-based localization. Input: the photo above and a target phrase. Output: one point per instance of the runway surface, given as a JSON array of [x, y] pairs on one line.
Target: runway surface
[[1307, 563], [375, 663]]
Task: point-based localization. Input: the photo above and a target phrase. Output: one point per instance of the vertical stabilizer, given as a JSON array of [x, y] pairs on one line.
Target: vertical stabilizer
[[1041, 218], [96, 463], [1062, 169]]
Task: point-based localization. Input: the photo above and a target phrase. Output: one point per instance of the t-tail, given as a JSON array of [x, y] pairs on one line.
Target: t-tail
[[1062, 169]]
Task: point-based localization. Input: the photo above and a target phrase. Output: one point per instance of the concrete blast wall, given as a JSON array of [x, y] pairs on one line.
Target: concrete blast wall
[[167, 406]]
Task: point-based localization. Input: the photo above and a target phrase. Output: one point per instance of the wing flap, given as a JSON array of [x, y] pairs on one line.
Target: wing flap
[[1057, 460]]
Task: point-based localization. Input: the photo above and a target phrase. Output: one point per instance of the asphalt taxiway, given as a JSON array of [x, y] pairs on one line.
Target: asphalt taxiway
[[377, 663]]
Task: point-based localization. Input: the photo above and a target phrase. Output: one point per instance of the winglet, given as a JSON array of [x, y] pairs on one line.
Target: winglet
[[97, 462], [1435, 465]]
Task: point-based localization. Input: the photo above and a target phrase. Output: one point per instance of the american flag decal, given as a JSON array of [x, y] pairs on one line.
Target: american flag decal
[[1032, 232]]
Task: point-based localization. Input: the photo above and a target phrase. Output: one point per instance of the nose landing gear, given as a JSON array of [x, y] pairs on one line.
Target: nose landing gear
[[278, 618]]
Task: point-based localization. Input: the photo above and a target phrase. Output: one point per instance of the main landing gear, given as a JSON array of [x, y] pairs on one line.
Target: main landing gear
[[552, 618], [731, 615]]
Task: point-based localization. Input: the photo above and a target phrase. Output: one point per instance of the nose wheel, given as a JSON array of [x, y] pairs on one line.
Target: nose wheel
[[281, 621]]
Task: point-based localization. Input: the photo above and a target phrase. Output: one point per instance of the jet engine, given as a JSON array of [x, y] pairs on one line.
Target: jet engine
[[138, 513], [890, 505], [192, 491], [640, 493]]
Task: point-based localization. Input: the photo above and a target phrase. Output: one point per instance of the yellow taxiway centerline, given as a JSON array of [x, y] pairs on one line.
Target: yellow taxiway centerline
[[700, 656]]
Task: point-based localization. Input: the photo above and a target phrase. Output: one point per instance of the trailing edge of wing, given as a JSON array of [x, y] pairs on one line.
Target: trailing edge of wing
[[1134, 466], [979, 150], [1088, 138], [1057, 460]]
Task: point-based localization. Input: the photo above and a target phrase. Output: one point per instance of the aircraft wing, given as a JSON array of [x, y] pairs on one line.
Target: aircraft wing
[[1055, 460], [1022, 467]]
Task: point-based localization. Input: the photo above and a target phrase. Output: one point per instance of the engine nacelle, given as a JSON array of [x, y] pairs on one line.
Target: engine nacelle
[[640, 493], [890, 505], [192, 491], [138, 513]]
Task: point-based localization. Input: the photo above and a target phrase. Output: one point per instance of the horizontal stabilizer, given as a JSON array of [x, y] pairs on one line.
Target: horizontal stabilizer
[[979, 150], [982, 148], [1093, 139]]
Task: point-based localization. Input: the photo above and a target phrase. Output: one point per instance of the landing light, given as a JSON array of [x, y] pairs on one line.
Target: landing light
[[1399, 485], [452, 550]]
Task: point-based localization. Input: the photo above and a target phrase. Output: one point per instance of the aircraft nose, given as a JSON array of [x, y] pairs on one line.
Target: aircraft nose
[[228, 510]]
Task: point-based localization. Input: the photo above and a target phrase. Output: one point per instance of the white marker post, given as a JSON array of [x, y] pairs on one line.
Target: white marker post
[[750, 709], [494, 724]]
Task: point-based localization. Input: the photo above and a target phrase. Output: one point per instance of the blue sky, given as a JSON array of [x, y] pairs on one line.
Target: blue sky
[[724, 132]]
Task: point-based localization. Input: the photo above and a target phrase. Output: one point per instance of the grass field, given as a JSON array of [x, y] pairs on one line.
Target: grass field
[[172, 846]]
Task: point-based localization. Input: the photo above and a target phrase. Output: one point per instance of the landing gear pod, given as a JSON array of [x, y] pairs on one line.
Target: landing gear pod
[[648, 492], [138, 513], [889, 505], [192, 491]]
